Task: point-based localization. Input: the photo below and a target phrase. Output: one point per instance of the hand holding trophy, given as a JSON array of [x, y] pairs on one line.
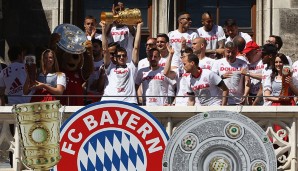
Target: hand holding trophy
[[122, 17], [286, 71]]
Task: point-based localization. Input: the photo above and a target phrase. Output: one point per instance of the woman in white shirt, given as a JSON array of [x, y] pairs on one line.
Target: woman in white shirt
[[49, 81]]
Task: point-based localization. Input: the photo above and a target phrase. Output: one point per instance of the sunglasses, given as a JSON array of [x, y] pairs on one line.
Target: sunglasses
[[188, 19], [112, 54], [122, 55], [149, 44]]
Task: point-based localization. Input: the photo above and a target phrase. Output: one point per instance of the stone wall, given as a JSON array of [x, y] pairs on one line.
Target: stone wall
[[288, 31]]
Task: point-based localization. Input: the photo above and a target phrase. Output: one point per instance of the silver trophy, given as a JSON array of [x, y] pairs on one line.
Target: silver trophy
[[72, 38]]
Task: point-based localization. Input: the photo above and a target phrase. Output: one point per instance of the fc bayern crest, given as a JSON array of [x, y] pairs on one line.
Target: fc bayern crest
[[111, 135]]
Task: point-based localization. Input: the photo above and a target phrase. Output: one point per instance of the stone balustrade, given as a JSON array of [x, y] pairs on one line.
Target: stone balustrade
[[284, 138]]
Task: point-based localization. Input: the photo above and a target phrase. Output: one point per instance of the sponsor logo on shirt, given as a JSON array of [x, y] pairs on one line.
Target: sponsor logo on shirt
[[119, 33], [258, 67], [200, 86], [155, 77], [229, 69], [16, 86]]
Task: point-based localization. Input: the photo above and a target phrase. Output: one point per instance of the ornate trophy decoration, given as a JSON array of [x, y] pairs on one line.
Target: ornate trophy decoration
[[125, 17], [72, 38], [219, 141], [286, 71], [39, 128]]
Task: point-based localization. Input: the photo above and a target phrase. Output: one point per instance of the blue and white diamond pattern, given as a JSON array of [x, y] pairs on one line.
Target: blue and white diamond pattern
[[112, 150]]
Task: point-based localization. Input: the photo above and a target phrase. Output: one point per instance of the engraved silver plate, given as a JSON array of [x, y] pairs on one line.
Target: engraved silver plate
[[72, 38], [219, 141]]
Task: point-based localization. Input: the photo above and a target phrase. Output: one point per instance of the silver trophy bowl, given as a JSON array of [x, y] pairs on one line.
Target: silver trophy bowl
[[72, 38]]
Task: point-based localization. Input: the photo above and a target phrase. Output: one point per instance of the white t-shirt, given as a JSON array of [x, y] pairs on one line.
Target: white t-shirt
[[212, 37], [96, 36], [175, 41], [206, 63], [143, 63], [121, 83], [205, 88], [235, 83], [53, 79], [183, 81], [255, 68], [13, 78], [155, 86], [124, 38], [245, 36]]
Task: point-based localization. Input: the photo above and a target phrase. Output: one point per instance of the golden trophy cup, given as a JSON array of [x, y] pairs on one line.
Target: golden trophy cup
[[125, 17], [39, 129], [286, 71]]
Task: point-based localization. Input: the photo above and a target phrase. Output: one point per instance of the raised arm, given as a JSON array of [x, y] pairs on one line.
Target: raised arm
[[87, 56], [106, 54], [167, 69], [137, 42]]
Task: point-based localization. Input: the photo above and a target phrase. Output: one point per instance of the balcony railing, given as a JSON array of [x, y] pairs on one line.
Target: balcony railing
[[171, 117]]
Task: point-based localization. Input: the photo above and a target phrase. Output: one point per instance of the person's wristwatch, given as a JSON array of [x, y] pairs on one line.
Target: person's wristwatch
[[247, 74]]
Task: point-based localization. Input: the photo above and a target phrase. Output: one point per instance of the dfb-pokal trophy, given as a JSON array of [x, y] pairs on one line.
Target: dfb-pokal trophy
[[124, 17], [39, 130]]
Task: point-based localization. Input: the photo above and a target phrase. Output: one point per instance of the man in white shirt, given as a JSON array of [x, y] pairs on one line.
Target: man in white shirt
[[155, 80], [176, 37], [232, 31], [90, 28], [229, 68], [13, 78], [204, 84], [199, 48], [213, 34], [121, 76]]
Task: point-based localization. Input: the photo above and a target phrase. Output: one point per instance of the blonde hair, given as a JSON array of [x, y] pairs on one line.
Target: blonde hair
[[42, 64]]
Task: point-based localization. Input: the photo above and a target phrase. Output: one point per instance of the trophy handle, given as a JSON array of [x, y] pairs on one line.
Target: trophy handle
[[61, 110]]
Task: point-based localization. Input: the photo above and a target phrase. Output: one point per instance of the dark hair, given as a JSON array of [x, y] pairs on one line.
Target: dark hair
[[121, 49], [150, 52], [239, 42], [188, 50], [182, 13], [284, 60], [114, 44], [278, 41], [90, 17], [97, 41], [269, 49], [14, 52], [206, 13], [230, 22], [163, 35], [193, 58]]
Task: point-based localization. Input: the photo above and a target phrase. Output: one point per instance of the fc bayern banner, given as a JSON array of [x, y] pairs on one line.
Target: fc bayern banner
[[111, 135]]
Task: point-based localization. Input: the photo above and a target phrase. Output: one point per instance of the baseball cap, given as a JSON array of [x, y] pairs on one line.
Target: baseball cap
[[269, 49], [250, 46]]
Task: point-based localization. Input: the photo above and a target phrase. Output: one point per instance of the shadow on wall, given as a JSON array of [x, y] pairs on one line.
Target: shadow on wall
[[25, 23]]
